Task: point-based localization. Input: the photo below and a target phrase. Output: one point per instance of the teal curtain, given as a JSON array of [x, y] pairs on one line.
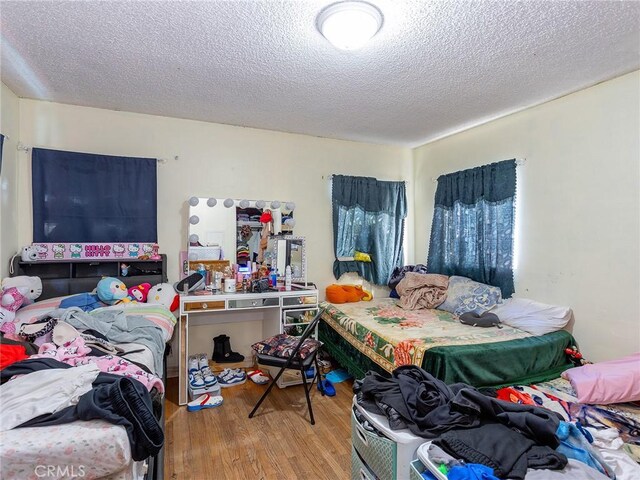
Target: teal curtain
[[473, 223], [368, 216]]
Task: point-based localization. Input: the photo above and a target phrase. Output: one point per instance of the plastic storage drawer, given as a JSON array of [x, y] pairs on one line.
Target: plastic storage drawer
[[378, 453], [388, 457], [416, 470], [359, 470]]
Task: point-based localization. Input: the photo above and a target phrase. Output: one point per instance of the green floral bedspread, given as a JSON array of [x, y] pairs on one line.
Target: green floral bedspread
[[391, 336]]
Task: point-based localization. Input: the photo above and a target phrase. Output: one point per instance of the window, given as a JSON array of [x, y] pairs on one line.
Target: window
[[80, 197], [473, 225], [368, 217]]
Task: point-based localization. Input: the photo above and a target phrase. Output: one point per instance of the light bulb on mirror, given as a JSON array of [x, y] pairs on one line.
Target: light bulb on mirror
[[244, 203], [275, 204], [212, 202], [228, 202], [290, 206], [193, 238], [193, 201], [194, 219], [260, 204]]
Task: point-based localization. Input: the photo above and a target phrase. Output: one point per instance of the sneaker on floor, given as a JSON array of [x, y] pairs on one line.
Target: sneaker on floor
[[193, 363], [195, 379], [232, 378], [207, 375]]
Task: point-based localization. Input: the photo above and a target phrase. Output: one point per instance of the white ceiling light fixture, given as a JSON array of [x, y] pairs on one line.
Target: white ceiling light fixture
[[349, 25]]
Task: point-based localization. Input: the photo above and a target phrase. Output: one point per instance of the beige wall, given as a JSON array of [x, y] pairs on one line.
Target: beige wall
[[578, 205], [9, 211], [214, 160]]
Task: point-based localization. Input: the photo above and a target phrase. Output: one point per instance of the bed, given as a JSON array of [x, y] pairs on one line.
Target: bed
[[380, 336], [94, 448]]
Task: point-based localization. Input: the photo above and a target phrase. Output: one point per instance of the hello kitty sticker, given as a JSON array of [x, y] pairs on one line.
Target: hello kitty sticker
[[75, 251]]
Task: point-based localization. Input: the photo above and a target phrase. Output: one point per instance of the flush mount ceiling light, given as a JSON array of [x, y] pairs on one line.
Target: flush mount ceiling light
[[349, 25]]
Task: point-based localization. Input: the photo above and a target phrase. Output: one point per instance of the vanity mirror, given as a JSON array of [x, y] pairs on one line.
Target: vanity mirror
[[289, 250], [230, 229]]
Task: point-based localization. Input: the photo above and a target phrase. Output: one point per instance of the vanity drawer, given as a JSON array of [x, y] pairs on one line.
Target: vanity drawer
[[254, 303], [298, 316], [203, 306], [299, 300]]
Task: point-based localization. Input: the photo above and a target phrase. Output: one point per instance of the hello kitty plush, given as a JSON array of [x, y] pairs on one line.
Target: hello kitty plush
[[29, 287], [164, 294], [11, 301]]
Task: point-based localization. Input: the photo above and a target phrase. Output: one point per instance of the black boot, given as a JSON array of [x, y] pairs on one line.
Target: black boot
[[222, 352], [218, 348]]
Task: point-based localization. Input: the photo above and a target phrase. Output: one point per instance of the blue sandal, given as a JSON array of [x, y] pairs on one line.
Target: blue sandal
[[328, 388]]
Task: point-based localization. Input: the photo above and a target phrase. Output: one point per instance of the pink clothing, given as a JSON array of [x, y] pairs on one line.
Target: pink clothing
[[120, 366], [72, 349], [75, 353]]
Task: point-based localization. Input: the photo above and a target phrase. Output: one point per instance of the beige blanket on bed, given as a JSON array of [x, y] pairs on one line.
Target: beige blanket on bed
[[419, 290]]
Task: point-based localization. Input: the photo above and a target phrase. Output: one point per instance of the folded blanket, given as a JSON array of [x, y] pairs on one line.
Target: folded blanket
[[419, 291]]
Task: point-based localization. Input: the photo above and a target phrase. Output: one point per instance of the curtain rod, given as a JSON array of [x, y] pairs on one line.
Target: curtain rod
[[519, 162], [331, 175], [21, 147]]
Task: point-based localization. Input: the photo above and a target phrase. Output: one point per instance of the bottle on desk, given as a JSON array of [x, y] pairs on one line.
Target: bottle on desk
[[287, 278]]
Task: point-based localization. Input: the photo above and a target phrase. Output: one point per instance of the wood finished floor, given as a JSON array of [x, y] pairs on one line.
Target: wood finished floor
[[278, 443]]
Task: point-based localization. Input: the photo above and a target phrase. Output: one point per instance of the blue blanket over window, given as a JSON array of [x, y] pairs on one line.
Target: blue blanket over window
[[81, 197]]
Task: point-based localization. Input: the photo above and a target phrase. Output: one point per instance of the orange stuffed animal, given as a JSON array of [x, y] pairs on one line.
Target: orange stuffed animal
[[346, 293]]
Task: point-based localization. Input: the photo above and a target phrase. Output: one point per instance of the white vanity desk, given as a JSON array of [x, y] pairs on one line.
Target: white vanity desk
[[274, 309]]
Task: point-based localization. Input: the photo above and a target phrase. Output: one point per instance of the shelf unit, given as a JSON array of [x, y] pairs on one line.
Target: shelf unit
[[67, 277]]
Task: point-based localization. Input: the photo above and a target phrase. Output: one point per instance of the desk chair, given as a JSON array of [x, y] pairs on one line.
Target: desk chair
[[294, 361]]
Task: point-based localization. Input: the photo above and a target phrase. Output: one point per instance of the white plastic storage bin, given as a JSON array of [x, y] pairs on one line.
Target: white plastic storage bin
[[425, 460], [387, 457]]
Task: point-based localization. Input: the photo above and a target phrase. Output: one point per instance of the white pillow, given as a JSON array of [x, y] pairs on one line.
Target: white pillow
[[533, 317]]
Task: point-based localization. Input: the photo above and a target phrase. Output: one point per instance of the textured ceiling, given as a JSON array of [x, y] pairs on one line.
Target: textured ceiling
[[434, 68]]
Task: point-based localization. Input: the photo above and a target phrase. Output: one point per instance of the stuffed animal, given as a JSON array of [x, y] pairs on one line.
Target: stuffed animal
[[139, 292], [111, 290], [11, 301], [164, 294], [29, 287]]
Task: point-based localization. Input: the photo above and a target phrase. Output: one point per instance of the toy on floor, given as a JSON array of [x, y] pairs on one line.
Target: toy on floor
[[111, 290], [164, 294]]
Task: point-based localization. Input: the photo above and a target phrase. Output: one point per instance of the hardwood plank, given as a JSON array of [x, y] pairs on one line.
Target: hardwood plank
[[277, 443]]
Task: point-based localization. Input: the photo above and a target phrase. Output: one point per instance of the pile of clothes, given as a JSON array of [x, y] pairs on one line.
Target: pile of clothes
[[77, 372], [478, 428]]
